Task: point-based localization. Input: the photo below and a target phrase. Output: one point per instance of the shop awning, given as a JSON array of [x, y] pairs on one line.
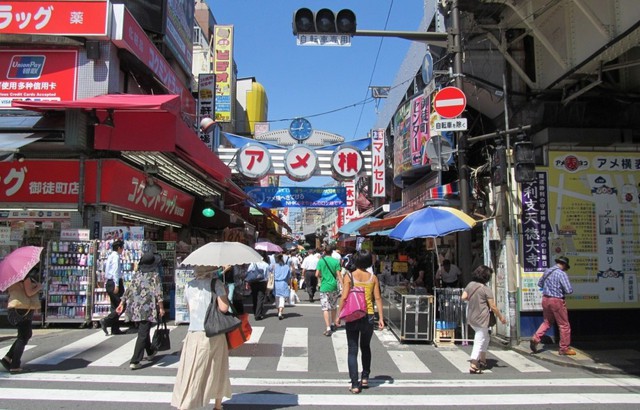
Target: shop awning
[[352, 227], [13, 142], [381, 225], [130, 102]]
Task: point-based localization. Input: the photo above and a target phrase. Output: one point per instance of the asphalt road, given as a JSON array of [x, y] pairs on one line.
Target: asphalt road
[[290, 364]]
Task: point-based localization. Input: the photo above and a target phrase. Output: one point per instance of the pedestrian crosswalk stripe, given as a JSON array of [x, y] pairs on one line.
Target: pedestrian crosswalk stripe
[[518, 361], [117, 357], [70, 350], [458, 358], [286, 399], [295, 350], [122, 354], [5, 351], [388, 339], [625, 382], [256, 334], [408, 362], [340, 350]]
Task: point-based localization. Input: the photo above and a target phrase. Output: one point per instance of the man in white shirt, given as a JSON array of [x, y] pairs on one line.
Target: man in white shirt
[[114, 285], [448, 276], [309, 265]]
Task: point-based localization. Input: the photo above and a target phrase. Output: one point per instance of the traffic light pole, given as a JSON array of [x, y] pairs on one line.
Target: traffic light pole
[[437, 39]]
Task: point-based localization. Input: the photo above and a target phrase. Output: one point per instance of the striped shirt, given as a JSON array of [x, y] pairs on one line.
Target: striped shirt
[[555, 283]]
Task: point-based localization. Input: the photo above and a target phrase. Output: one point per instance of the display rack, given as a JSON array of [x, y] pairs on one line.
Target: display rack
[[182, 277], [129, 259], [167, 250], [409, 316], [69, 273]]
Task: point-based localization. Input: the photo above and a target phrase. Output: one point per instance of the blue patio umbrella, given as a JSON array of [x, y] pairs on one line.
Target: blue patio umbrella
[[352, 227], [432, 222]]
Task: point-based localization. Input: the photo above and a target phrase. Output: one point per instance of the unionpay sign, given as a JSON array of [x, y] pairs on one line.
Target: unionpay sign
[[450, 102]]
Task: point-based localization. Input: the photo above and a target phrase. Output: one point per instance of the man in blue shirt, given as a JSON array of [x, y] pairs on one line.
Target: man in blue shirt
[[555, 285], [114, 286]]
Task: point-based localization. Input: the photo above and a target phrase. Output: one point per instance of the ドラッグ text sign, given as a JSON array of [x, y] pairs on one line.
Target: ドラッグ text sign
[[450, 102]]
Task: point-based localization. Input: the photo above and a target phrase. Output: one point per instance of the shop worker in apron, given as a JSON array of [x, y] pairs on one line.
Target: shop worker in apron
[[115, 288]]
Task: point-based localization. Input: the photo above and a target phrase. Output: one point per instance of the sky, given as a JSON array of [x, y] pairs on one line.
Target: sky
[[326, 85]]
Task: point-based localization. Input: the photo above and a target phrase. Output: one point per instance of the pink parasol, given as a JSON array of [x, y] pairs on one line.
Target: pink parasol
[[15, 266], [267, 246]]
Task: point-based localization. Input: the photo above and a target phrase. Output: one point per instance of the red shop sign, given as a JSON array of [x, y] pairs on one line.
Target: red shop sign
[[63, 18], [123, 186], [37, 75], [40, 181]]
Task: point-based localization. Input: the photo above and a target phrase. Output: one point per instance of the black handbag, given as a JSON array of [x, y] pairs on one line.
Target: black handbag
[[161, 340], [217, 322], [17, 316]]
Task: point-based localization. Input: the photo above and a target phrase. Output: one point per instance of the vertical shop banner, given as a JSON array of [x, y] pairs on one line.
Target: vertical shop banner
[[417, 126], [223, 69], [179, 29], [37, 75], [535, 224], [350, 210], [127, 34], [57, 17], [594, 211], [206, 107], [378, 166]]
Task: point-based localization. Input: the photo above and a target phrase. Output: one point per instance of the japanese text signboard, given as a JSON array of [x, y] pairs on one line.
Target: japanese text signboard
[[37, 75], [594, 219], [63, 18], [297, 197], [346, 162], [351, 210], [223, 69], [378, 167]]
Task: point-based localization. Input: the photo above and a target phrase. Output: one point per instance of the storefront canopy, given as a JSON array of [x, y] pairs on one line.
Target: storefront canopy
[[378, 227], [352, 227], [129, 102]]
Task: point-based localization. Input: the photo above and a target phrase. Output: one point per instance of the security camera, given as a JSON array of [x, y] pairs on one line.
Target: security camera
[[206, 125]]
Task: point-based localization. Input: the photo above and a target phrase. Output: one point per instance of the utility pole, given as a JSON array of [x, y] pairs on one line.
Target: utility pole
[[464, 238]]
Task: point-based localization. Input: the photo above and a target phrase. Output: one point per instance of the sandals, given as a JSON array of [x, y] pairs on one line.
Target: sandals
[[475, 369], [355, 390], [482, 364], [364, 383], [18, 370]]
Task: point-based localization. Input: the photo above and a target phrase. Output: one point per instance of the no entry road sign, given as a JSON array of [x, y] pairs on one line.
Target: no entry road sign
[[449, 102]]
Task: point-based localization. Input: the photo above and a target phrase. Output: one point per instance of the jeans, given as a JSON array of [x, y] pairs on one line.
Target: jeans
[[555, 310], [113, 318], [311, 282], [258, 291], [361, 329], [143, 342], [17, 348]]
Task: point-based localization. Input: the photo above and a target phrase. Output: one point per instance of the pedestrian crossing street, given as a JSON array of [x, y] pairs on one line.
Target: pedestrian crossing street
[[294, 354], [416, 376]]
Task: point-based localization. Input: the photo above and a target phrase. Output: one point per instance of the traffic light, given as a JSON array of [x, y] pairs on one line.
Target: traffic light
[[499, 166], [324, 21], [525, 161]]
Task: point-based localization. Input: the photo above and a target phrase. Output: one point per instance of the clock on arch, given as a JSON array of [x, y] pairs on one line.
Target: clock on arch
[[300, 129]]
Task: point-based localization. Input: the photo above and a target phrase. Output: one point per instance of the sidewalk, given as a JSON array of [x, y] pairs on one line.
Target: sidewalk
[[602, 357]]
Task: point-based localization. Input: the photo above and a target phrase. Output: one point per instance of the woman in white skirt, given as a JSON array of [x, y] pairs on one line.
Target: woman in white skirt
[[203, 373]]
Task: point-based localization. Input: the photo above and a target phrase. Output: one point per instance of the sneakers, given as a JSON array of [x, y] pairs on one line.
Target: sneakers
[[135, 366], [104, 327], [327, 332], [533, 345], [568, 352]]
